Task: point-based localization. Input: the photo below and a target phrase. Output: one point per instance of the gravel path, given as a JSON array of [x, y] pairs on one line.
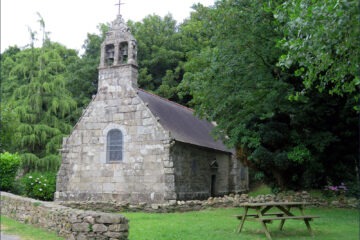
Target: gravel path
[[9, 237]]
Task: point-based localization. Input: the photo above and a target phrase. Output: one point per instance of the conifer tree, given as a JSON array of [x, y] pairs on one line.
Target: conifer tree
[[39, 99]]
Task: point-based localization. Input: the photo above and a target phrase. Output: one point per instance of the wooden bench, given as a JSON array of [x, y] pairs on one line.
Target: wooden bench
[[257, 216], [264, 216], [288, 217], [306, 219]]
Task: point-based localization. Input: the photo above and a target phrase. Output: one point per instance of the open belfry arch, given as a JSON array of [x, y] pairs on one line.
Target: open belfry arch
[[131, 145]]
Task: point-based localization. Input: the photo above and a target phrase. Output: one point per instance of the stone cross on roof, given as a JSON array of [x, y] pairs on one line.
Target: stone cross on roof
[[119, 4]]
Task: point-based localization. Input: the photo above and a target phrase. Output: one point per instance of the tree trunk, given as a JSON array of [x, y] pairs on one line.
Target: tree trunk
[[279, 178]]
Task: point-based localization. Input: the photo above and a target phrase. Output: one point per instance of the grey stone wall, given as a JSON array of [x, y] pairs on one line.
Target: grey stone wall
[[231, 200], [70, 223], [140, 177], [193, 172]]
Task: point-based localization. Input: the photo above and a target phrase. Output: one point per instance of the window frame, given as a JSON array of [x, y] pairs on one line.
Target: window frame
[[119, 146]]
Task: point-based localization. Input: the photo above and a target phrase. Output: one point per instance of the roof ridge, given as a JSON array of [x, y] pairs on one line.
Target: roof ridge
[[167, 100]]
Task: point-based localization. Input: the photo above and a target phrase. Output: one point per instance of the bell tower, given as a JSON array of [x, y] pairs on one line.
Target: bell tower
[[119, 47], [118, 59]]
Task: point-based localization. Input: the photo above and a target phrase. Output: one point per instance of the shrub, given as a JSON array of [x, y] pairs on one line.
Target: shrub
[[9, 165], [353, 189], [18, 187], [335, 191], [40, 185]]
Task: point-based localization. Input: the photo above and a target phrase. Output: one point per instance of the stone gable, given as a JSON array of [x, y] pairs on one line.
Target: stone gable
[[146, 148]]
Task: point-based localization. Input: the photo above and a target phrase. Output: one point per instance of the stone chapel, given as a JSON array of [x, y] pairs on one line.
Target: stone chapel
[[131, 145]]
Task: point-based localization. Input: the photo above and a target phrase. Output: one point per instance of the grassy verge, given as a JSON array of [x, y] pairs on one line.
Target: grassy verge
[[219, 224], [260, 189], [25, 231]]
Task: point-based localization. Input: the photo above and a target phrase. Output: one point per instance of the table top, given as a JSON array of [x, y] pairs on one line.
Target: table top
[[265, 204]]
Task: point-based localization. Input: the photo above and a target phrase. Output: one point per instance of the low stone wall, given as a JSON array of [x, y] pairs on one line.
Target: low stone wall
[[73, 224], [232, 200]]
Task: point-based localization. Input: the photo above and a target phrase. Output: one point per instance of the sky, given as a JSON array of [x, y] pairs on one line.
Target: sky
[[69, 21]]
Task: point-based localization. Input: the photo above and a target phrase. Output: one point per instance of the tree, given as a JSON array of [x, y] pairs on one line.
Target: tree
[[8, 119], [39, 100], [82, 75], [160, 54], [196, 33], [236, 82], [322, 39]]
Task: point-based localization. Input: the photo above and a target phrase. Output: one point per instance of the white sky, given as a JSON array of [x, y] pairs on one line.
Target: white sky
[[69, 21]]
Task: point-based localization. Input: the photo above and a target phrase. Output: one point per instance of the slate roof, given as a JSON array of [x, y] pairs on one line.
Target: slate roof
[[183, 125]]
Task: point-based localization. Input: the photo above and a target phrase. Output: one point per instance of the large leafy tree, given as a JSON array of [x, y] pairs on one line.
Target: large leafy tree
[[236, 82], [321, 43], [160, 54], [322, 39], [196, 33]]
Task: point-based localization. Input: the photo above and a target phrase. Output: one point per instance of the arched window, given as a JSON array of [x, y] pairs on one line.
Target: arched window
[[114, 148]]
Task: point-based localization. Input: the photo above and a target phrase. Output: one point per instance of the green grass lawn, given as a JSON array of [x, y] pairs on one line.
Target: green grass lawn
[[215, 224], [219, 224], [25, 231]]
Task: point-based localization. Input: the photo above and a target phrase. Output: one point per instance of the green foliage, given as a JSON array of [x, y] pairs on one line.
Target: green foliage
[[40, 104], [9, 166], [321, 38], [8, 123], [338, 191], [31, 163], [235, 81], [82, 74], [240, 70], [299, 154], [353, 189], [40, 186], [160, 54]]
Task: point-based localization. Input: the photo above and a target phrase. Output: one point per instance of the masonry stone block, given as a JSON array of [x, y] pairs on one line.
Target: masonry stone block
[[107, 173], [118, 227], [168, 164], [169, 170], [115, 235], [108, 218], [99, 228], [80, 227], [108, 187], [89, 219]]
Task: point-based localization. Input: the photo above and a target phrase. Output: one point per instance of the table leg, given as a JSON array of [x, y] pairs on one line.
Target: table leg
[[281, 224], [306, 221], [266, 230], [308, 227], [287, 212], [242, 220]]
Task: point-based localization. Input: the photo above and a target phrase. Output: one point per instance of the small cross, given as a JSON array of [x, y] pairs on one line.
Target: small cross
[[119, 4]]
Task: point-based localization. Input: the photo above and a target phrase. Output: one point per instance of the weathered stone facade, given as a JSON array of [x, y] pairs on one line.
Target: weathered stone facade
[[200, 172], [140, 176], [155, 166]]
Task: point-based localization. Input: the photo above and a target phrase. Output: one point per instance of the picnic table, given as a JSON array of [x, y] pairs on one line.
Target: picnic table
[[264, 216]]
